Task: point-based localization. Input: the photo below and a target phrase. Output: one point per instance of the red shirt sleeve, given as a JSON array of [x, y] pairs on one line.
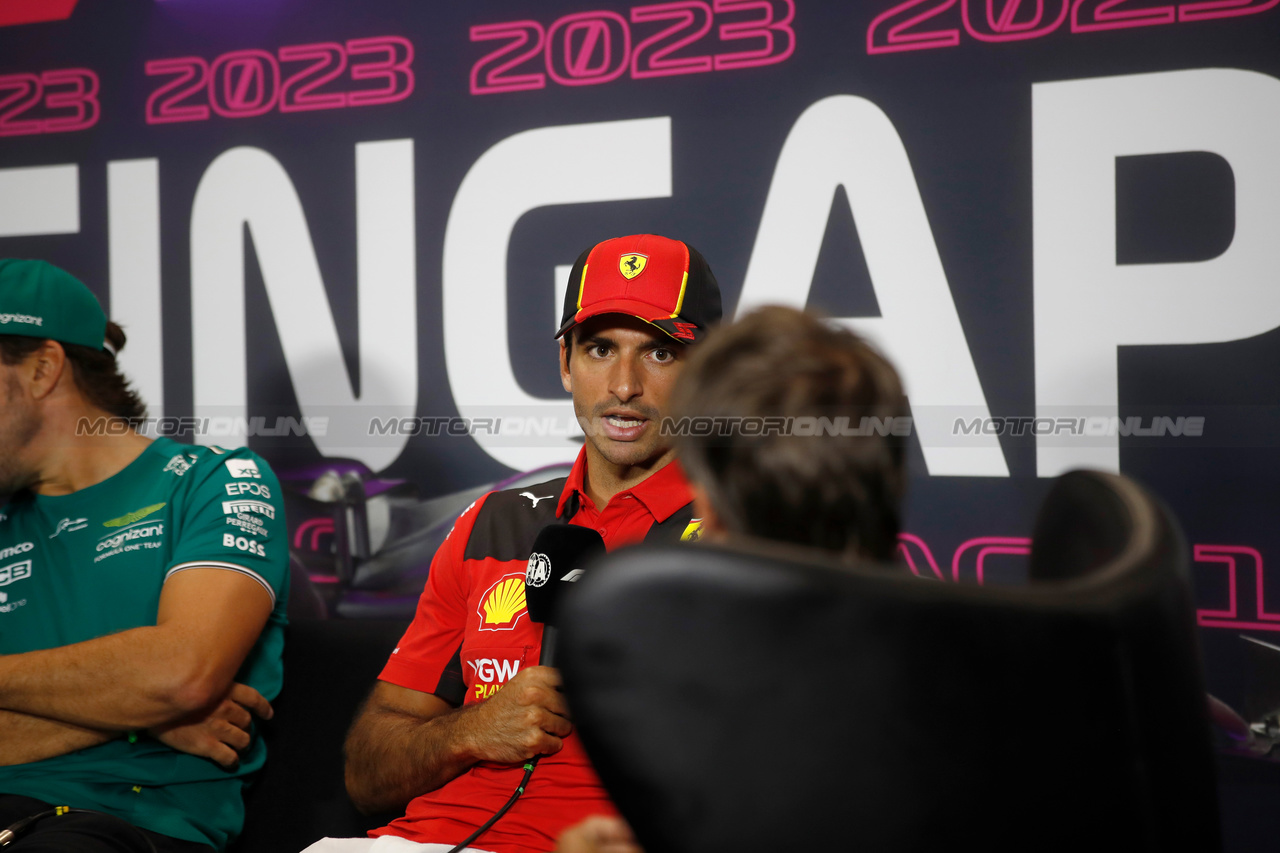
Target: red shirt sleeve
[[422, 659]]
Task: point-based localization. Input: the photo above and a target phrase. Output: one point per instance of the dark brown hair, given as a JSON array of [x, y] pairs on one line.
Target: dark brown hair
[[95, 372], [825, 489]]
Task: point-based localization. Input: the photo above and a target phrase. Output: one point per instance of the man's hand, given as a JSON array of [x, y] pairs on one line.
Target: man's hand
[[598, 834], [405, 742], [221, 731], [527, 717]]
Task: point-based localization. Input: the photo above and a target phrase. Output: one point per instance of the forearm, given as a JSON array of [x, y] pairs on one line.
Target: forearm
[[392, 757], [25, 739], [131, 680]]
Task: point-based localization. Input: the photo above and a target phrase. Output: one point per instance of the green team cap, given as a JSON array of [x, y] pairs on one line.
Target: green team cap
[[38, 300]]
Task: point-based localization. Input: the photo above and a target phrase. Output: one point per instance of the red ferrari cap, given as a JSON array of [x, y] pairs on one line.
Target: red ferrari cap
[[664, 282]]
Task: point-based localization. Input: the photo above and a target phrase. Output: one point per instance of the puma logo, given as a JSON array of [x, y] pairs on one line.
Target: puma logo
[[531, 496]]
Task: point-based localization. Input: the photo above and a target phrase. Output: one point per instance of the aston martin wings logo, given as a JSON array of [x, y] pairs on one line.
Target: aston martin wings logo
[[632, 264], [131, 517]]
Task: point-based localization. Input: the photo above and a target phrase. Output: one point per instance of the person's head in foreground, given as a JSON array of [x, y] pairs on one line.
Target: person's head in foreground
[[764, 463], [784, 390]]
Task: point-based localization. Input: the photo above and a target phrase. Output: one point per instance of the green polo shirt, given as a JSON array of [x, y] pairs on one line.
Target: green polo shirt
[[79, 566]]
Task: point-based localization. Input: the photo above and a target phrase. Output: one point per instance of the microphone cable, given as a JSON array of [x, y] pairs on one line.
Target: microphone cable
[[531, 763], [10, 834], [528, 771]]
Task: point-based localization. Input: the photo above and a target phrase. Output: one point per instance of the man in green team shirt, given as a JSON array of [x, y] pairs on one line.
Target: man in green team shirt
[[142, 595]]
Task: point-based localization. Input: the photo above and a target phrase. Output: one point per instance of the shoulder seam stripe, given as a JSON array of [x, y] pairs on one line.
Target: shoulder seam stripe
[[212, 564]]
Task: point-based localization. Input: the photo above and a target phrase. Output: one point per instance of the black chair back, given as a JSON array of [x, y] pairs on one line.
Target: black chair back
[[300, 796], [762, 698]]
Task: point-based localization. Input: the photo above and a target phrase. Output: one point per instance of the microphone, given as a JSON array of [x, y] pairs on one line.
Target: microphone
[[558, 554]]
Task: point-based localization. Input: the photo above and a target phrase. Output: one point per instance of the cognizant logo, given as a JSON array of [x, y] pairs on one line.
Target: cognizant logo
[[127, 535]]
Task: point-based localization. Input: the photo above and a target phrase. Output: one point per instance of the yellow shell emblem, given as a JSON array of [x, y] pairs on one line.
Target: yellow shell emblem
[[632, 264], [504, 603]]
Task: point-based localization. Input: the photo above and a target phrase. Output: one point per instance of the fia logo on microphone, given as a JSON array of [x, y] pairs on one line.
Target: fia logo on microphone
[[538, 571]]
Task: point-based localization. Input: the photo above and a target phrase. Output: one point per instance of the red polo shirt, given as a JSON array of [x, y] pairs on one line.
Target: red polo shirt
[[471, 634]]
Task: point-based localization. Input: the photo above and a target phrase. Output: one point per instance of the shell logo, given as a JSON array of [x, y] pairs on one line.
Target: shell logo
[[502, 604]]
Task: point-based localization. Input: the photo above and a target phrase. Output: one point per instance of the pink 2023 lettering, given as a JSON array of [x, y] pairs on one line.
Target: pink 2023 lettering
[[929, 24], [57, 101], [296, 78], [655, 40]]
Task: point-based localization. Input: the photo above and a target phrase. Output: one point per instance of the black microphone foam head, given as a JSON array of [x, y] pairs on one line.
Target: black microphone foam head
[[559, 552]]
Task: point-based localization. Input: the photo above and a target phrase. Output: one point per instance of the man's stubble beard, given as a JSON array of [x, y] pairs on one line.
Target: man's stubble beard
[[621, 452], [19, 425]]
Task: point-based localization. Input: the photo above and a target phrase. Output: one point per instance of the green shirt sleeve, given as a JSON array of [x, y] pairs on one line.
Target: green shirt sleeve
[[233, 519]]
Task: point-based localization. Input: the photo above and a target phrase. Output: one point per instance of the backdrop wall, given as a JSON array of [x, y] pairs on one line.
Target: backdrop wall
[[354, 221]]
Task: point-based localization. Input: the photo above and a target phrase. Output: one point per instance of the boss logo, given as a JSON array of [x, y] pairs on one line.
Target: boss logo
[[230, 540]]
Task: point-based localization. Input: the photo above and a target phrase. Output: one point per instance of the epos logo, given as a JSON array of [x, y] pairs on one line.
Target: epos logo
[[259, 489]]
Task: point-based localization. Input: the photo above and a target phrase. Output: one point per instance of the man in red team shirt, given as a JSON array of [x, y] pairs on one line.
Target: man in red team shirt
[[463, 703]]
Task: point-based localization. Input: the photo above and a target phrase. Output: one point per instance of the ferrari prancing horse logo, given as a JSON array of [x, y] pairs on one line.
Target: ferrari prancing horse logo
[[632, 264]]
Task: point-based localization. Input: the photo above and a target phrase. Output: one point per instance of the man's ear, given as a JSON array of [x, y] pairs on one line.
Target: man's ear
[[44, 368], [565, 379]]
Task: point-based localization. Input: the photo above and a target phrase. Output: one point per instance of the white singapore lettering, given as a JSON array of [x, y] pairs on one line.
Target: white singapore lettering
[[248, 185], [230, 540], [246, 191], [249, 488]]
